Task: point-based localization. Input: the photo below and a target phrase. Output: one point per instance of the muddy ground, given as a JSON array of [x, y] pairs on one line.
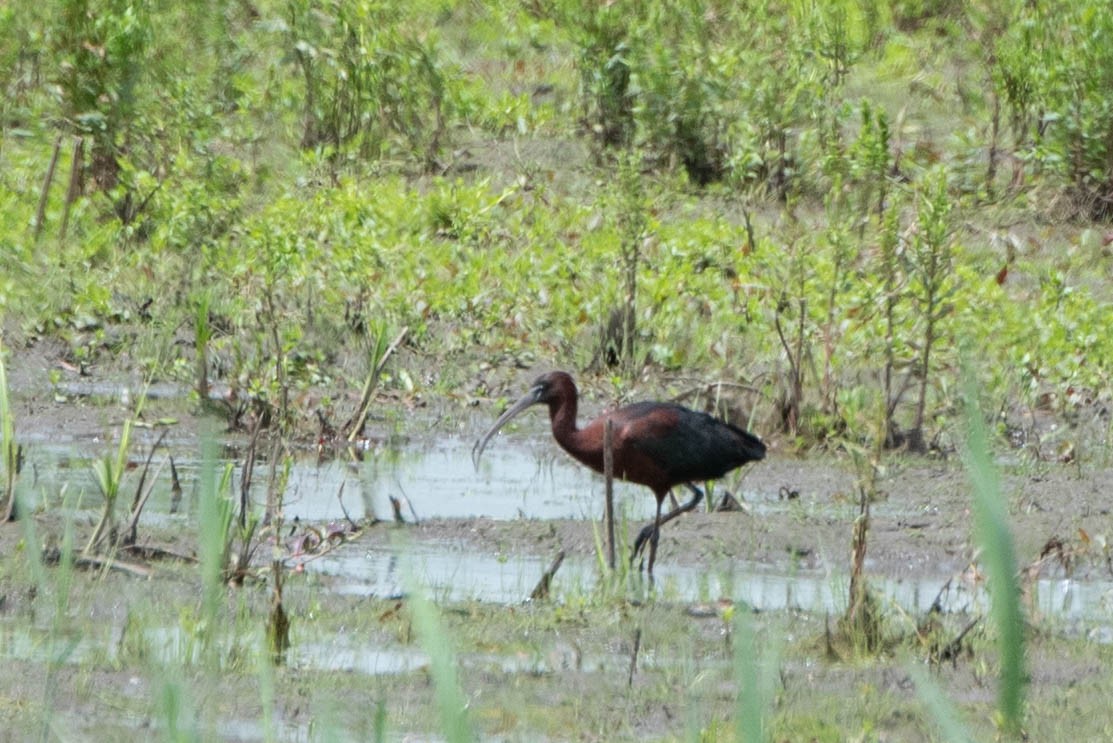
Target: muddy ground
[[802, 503], [799, 514]]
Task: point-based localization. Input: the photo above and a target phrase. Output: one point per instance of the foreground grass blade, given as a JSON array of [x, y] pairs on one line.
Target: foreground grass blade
[[992, 529], [9, 451], [434, 639], [754, 674], [215, 519], [945, 714]]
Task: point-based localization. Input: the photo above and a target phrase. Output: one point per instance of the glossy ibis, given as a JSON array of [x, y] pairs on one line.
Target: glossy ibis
[[656, 444]]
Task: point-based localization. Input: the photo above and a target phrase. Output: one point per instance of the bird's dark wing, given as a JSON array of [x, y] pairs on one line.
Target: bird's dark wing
[[688, 445]]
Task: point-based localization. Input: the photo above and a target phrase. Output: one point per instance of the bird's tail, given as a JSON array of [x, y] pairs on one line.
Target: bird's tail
[[753, 447]]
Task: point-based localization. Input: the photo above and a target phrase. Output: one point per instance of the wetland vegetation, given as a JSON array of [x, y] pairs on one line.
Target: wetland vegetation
[[262, 259]]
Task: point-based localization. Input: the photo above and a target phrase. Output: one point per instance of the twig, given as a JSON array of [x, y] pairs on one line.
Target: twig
[[343, 508], [175, 488], [132, 526], [141, 497], [248, 470], [634, 656], [96, 561], [406, 499], [148, 552], [951, 650], [541, 590], [937, 604], [11, 472], [795, 360]]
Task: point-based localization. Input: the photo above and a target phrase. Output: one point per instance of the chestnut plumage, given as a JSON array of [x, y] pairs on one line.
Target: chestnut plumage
[[656, 444]]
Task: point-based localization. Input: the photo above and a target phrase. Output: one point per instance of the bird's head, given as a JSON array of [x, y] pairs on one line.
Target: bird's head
[[547, 389]]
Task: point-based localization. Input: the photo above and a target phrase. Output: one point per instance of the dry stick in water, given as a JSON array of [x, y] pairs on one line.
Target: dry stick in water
[[404, 499], [634, 656], [608, 473], [99, 562], [131, 529], [343, 509], [396, 507], [541, 590], [175, 488]]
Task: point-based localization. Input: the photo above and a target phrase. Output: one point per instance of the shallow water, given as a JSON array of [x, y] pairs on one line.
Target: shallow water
[[522, 476], [437, 479], [454, 573]]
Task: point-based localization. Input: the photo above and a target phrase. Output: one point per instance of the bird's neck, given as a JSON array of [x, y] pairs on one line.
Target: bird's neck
[[563, 417]]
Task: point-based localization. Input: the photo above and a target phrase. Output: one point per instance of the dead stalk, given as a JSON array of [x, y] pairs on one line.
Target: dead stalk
[[74, 189], [369, 386], [795, 365], [608, 474], [278, 623], [248, 470], [130, 530], [541, 590], [40, 213], [634, 656]]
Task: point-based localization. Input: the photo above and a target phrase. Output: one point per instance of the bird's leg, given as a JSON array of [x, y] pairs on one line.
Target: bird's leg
[[653, 535], [697, 496], [648, 533], [653, 547], [651, 532]]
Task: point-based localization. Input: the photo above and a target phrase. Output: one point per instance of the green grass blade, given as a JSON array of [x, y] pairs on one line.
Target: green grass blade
[[214, 522], [754, 674], [431, 634], [442, 667], [9, 451], [946, 716], [992, 530]]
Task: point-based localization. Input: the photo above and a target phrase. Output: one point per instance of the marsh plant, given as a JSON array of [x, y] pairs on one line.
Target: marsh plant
[[932, 284], [632, 223], [374, 81], [109, 472], [1053, 76]]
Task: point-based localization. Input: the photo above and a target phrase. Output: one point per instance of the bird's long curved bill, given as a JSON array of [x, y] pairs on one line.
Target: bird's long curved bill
[[527, 400]]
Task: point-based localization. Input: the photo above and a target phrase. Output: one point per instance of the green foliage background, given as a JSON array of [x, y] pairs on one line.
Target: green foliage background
[[310, 170]]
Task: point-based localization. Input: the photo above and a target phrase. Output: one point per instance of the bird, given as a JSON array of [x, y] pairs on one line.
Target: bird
[[656, 444]]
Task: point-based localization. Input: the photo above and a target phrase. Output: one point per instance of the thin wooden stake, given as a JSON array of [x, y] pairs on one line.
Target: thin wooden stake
[[608, 473]]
